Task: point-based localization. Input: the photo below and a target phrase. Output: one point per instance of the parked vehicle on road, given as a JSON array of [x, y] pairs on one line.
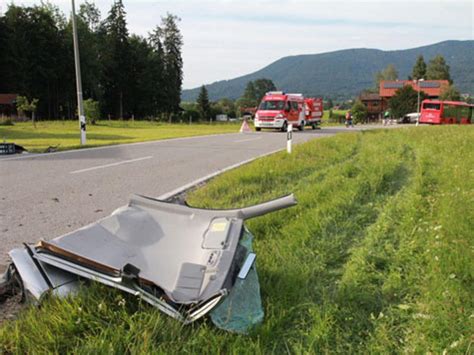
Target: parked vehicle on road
[[313, 111], [446, 112], [409, 118], [277, 110]]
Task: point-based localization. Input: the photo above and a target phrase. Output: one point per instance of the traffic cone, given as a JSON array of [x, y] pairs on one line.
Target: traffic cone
[[245, 127]]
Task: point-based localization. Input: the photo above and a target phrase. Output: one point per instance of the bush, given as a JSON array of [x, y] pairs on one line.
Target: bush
[[359, 112], [91, 110], [6, 121], [450, 94], [191, 114]]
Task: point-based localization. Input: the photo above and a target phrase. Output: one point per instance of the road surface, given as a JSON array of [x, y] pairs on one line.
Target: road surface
[[44, 196]]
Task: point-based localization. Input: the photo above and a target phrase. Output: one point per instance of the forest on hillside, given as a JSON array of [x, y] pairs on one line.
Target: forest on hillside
[[343, 74]]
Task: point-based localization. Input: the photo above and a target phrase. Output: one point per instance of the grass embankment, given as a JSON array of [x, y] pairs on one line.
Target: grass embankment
[[377, 257], [65, 134]]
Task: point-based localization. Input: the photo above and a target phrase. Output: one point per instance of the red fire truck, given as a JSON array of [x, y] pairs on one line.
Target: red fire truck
[[313, 111], [446, 112], [277, 110]]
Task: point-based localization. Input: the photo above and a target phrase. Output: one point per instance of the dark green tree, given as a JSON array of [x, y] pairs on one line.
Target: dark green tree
[[6, 74], [226, 106], [88, 22], [255, 90], [141, 83], [262, 86], [125, 74], [438, 69], [419, 69], [116, 61], [405, 101], [157, 73], [250, 94], [35, 56], [90, 15], [204, 107], [172, 41]]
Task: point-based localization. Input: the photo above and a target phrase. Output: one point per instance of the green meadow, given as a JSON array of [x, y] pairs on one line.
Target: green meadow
[[65, 134], [377, 257]]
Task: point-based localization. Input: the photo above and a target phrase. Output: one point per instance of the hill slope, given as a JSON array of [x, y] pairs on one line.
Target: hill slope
[[345, 73]]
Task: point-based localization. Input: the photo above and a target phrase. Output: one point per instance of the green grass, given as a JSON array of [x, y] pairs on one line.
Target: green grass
[[336, 120], [377, 257], [65, 134], [335, 112]]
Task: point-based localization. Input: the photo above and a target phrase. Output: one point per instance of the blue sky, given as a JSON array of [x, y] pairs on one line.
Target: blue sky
[[226, 38]]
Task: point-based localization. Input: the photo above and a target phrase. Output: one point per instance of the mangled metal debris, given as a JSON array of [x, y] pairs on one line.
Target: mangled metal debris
[[11, 148], [184, 261]]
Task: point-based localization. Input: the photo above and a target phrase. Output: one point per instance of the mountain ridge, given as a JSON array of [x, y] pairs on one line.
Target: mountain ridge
[[344, 73]]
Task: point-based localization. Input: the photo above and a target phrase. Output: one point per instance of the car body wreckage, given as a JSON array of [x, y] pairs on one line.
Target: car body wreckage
[[185, 261]]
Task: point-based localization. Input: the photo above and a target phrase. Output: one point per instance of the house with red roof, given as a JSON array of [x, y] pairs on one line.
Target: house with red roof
[[432, 88], [8, 104], [377, 103]]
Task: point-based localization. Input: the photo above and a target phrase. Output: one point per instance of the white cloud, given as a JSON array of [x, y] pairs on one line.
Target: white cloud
[[228, 38]]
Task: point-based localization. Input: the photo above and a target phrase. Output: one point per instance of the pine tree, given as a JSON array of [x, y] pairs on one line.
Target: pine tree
[[204, 106], [90, 15], [157, 72], [141, 83], [438, 69], [173, 62], [116, 59], [419, 69], [88, 21]]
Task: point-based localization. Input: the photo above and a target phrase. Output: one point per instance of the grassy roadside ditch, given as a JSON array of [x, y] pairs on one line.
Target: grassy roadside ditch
[[376, 257]]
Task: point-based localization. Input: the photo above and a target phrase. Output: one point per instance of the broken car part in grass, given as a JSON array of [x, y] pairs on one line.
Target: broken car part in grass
[[11, 148], [185, 261]]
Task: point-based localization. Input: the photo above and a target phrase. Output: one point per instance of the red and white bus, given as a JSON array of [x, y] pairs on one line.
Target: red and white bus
[[446, 112], [278, 109]]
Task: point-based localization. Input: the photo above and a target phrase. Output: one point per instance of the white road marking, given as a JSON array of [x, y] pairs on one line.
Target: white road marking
[[248, 140], [112, 146], [109, 165]]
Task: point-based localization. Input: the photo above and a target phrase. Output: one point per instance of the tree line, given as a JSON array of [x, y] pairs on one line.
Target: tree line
[[128, 75], [204, 109]]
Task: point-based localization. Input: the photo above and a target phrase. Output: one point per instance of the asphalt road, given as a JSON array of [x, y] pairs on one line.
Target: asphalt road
[[44, 196]]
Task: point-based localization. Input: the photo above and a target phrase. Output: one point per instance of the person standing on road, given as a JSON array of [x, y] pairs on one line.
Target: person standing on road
[[349, 119], [386, 118]]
